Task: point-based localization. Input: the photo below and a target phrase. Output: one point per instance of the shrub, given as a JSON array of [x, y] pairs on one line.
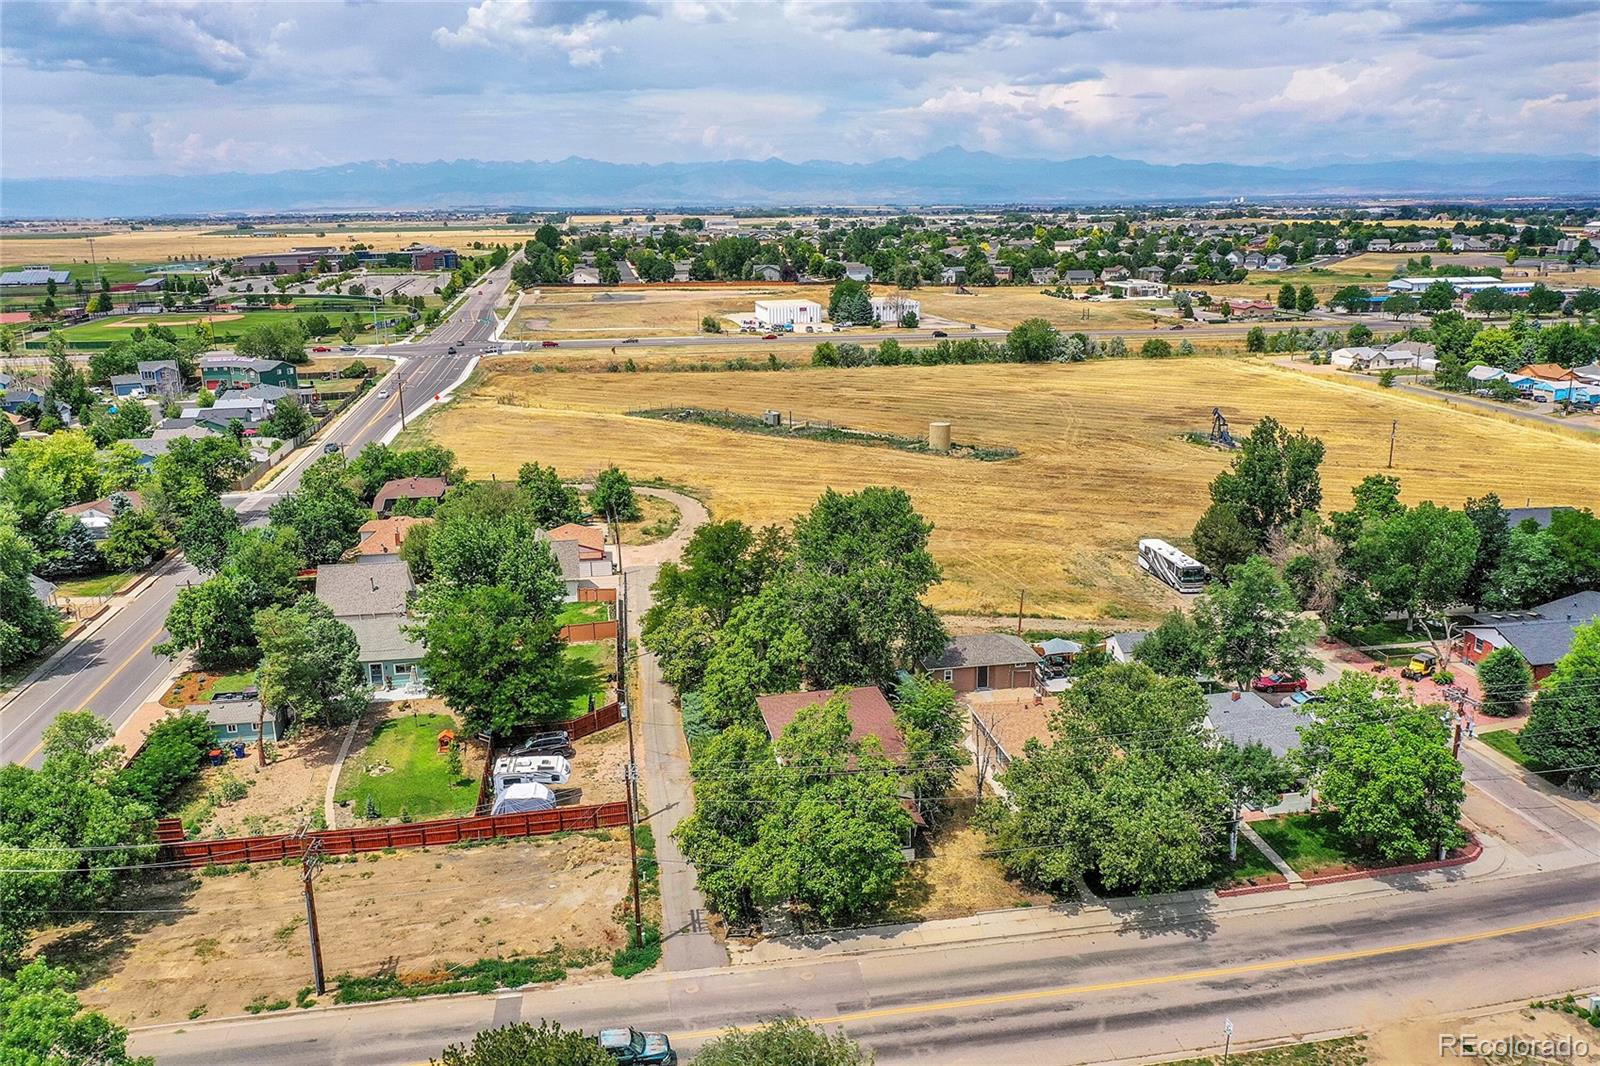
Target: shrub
[[172, 755], [1386, 379], [1506, 679]]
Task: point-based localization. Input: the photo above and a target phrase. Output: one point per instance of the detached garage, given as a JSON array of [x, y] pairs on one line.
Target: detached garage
[[985, 661]]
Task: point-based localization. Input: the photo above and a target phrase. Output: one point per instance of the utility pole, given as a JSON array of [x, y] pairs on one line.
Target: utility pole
[[1227, 1039], [1394, 429], [400, 387], [1021, 595], [310, 863], [632, 772]]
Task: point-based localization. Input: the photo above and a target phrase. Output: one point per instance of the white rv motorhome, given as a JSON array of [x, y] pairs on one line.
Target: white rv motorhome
[[1172, 566], [521, 769]]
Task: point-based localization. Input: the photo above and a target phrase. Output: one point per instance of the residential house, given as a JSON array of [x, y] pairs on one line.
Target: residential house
[[1556, 381], [981, 661], [96, 515], [160, 441], [1114, 273], [240, 721], [566, 553], [229, 406], [870, 714], [161, 377], [1246, 717], [594, 560], [1003, 272], [953, 275], [1119, 646], [1043, 276], [1539, 516], [1240, 308], [371, 596], [766, 272], [858, 272], [1358, 357], [1379, 244], [1255, 261], [1152, 273], [1275, 262], [220, 372], [385, 536], [1542, 635], [409, 488], [1078, 277], [127, 386], [585, 275], [1589, 374]]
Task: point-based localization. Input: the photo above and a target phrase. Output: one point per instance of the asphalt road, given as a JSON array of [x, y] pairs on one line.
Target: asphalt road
[[1160, 984], [111, 669]]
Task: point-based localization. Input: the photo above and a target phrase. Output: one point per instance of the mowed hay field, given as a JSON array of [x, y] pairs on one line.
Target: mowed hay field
[[557, 312], [1102, 462], [1003, 306]]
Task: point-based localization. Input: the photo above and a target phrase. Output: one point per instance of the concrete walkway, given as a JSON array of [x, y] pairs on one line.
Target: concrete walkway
[[1247, 831]]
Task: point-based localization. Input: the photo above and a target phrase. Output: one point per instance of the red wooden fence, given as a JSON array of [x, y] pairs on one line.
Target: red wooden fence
[[579, 632], [224, 851], [592, 594]]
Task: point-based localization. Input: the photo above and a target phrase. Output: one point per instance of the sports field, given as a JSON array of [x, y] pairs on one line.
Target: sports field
[[1102, 461], [228, 325]]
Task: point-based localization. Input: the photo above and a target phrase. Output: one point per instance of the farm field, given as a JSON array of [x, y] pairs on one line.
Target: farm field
[[206, 242], [1003, 306], [1102, 461]]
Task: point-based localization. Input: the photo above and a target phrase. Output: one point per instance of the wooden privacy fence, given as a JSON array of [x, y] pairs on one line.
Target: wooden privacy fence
[[598, 719], [579, 632], [225, 851], [595, 594]]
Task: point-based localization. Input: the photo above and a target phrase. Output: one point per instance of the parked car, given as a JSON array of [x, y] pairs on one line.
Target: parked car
[[347, 347], [1279, 683], [631, 1046], [322, 348], [555, 742], [1301, 699], [1422, 665], [940, 333], [549, 344]]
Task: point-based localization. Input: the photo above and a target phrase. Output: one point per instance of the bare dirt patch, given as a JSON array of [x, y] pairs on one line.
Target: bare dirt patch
[[214, 944], [598, 764], [278, 798], [167, 320]]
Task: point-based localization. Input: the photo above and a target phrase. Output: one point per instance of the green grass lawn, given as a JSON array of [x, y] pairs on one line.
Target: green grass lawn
[[1251, 864], [592, 666], [1308, 842], [99, 585], [578, 613], [1345, 1051], [1505, 742], [237, 681], [401, 769]]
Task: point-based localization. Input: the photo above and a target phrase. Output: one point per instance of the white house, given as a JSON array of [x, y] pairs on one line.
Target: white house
[[1353, 357], [891, 309], [858, 272], [775, 313], [1139, 289]]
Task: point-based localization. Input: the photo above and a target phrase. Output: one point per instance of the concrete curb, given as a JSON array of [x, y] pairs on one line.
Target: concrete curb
[[444, 395]]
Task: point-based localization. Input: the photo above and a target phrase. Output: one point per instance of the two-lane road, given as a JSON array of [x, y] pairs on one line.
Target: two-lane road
[[112, 669]]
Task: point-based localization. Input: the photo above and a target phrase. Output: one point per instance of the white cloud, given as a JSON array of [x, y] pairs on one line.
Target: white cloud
[[578, 29]]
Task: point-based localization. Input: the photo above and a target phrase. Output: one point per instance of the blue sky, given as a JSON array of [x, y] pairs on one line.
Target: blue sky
[[102, 88]]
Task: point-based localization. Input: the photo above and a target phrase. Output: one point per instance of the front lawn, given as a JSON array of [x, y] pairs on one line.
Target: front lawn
[[1309, 843], [572, 614], [403, 773], [93, 587], [1251, 868], [1505, 742]]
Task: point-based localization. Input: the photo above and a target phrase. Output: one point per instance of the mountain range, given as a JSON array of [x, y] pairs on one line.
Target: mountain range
[[952, 176]]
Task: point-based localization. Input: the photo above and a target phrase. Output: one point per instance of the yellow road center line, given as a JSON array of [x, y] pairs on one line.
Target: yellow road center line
[[1175, 978]]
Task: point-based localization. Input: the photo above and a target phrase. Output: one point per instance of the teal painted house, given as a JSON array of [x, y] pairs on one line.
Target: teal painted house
[[240, 372], [371, 596], [235, 721]]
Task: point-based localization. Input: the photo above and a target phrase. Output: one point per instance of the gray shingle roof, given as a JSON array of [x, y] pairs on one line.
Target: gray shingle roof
[[1251, 718], [566, 553], [1515, 516], [1126, 642], [380, 638], [229, 712], [983, 649], [375, 585], [1580, 607], [1542, 643]]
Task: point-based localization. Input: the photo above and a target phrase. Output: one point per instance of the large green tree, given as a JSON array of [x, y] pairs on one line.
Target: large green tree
[[1563, 731], [310, 664], [43, 1024], [1274, 478], [496, 664], [1506, 680], [1033, 340], [785, 1042], [552, 501], [613, 497], [324, 510], [27, 625], [1176, 647], [1385, 765], [1253, 625]]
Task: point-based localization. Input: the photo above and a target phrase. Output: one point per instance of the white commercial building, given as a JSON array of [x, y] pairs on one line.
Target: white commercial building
[[891, 309], [775, 313]]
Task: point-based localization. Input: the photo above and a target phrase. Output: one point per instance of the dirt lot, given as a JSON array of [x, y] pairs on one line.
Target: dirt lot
[[1103, 461], [598, 766], [554, 313], [1005, 305], [216, 943], [279, 797]]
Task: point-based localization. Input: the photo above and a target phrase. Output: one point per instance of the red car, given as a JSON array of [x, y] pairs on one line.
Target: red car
[[770, 337], [1279, 683], [550, 344], [322, 348]]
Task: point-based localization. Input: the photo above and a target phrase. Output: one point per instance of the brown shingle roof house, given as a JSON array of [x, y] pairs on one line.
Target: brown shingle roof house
[[408, 488], [591, 540], [978, 661], [870, 714], [384, 536]]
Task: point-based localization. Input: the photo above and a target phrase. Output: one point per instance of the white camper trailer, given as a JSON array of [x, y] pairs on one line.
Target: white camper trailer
[[520, 769], [527, 796]]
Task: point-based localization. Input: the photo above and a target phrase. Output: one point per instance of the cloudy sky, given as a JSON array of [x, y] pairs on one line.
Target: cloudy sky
[[104, 88]]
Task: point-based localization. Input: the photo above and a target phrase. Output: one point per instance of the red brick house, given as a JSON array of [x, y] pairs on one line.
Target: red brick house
[[1542, 634], [982, 661]]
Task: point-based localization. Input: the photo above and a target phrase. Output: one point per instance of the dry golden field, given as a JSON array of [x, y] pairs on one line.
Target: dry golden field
[[1102, 462], [210, 242], [562, 311], [1004, 306]]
